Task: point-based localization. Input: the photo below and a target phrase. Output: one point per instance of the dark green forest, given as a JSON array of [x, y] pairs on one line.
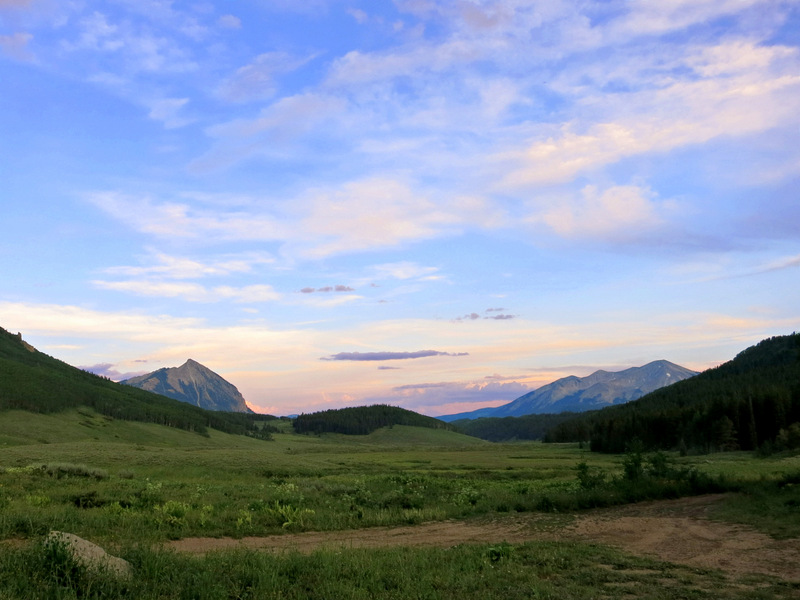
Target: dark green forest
[[749, 403], [507, 429], [33, 381], [362, 420]]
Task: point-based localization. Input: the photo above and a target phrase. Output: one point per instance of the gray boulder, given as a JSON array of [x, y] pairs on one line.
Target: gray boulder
[[90, 555]]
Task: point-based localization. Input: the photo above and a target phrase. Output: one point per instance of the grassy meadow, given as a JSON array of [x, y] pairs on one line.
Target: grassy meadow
[[130, 486]]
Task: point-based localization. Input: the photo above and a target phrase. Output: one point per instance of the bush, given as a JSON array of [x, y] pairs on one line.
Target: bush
[[59, 470], [587, 479]]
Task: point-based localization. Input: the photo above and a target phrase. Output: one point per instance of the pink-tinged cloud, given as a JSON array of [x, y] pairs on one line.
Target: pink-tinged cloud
[[16, 46], [14, 3], [109, 370]]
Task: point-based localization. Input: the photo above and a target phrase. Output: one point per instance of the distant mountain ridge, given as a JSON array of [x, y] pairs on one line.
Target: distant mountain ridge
[[194, 384], [579, 394], [750, 402]]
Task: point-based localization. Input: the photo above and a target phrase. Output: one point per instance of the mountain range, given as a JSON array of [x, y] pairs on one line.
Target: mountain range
[[748, 403], [195, 384], [579, 394]]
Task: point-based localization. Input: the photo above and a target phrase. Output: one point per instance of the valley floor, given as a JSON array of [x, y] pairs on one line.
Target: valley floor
[[677, 531]]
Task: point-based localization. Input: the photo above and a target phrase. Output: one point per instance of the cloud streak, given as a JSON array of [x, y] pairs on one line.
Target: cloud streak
[[327, 289], [383, 356]]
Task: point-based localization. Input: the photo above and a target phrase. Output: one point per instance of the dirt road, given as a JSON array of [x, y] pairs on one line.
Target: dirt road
[[677, 531]]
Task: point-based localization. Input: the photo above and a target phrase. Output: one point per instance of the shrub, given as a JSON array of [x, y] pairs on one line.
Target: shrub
[[172, 513], [59, 470], [587, 479], [288, 516]]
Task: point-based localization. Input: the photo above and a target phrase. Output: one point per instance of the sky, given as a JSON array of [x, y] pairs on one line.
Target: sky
[[439, 205]]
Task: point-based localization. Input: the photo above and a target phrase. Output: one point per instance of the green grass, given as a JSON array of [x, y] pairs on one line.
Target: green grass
[[772, 507], [128, 486], [160, 483], [560, 571]]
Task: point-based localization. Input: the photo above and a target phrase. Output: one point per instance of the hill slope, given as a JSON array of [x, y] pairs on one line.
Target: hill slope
[[33, 381], [579, 394], [744, 403], [195, 384]]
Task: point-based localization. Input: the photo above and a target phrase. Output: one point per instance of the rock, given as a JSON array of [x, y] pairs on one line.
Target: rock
[[90, 555]]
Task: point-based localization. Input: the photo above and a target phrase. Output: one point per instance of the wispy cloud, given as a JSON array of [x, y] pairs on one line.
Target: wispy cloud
[[403, 270], [230, 22], [663, 112], [327, 289], [170, 219], [192, 292], [168, 111], [258, 80], [489, 314], [321, 223], [736, 271], [380, 356], [181, 267]]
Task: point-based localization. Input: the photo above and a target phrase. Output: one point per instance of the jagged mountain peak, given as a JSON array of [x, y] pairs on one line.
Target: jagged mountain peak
[[194, 383]]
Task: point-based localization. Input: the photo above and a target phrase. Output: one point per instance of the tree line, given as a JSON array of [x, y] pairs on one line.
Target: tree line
[[33, 381], [507, 429], [749, 403]]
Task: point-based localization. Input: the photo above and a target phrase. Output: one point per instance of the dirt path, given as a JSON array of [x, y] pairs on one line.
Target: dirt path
[[675, 530]]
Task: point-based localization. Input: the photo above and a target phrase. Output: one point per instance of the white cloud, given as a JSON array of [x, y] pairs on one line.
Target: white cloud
[[129, 48], [616, 213], [97, 34], [275, 132], [358, 216], [371, 214], [330, 301], [284, 119], [257, 80], [192, 292], [750, 98], [649, 18], [403, 270], [175, 267], [359, 15], [167, 111], [171, 219], [230, 22], [736, 57]]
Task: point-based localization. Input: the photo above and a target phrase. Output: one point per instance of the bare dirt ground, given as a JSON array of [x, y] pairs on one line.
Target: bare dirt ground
[[676, 531]]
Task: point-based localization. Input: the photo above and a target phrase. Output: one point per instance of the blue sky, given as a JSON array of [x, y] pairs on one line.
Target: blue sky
[[438, 205]]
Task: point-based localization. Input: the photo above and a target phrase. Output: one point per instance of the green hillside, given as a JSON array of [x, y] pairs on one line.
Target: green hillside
[[751, 402], [35, 382], [362, 420]]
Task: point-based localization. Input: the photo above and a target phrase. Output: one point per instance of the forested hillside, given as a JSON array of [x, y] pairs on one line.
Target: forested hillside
[[505, 429], [362, 420], [33, 381], [750, 402]]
